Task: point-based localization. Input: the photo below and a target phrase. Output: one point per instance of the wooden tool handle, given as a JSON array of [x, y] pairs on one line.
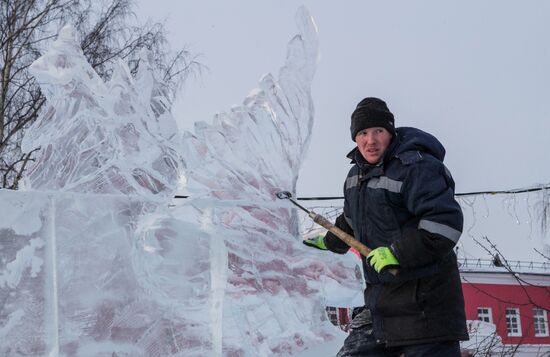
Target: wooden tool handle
[[345, 237]]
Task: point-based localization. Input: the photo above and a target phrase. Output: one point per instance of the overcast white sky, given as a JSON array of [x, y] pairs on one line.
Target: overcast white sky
[[476, 74]]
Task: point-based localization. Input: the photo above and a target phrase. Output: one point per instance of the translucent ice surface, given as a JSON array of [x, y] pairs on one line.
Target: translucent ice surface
[[97, 259], [100, 137]]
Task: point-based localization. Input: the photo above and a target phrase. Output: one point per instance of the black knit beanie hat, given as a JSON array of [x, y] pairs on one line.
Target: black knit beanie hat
[[371, 112]]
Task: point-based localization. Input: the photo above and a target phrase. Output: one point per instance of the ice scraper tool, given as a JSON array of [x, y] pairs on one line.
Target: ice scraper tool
[[322, 221]]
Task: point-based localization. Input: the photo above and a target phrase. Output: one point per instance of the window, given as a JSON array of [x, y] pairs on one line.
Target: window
[[485, 314], [513, 323], [540, 321], [332, 314]]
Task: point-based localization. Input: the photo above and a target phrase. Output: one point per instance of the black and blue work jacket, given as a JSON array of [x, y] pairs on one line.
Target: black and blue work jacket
[[407, 203]]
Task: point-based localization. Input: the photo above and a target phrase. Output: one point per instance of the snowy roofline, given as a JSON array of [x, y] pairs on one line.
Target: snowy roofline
[[518, 266]]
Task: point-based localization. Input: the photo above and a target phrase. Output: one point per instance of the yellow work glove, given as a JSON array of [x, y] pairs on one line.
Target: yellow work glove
[[382, 258], [317, 242]]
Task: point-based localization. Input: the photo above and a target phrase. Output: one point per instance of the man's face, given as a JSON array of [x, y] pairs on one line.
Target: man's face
[[372, 143]]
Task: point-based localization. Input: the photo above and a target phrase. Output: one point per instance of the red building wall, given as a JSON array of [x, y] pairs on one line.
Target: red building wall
[[499, 297]]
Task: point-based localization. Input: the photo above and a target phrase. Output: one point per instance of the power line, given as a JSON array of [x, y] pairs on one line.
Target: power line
[[506, 192], [474, 193]]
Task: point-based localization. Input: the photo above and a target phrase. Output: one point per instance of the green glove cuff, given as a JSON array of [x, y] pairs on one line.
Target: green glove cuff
[[382, 258], [317, 242]]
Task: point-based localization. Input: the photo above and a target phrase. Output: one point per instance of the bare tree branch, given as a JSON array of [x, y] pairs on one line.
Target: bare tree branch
[[108, 29], [495, 252]]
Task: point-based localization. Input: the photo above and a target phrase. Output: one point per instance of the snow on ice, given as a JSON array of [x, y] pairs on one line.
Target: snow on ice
[[97, 259]]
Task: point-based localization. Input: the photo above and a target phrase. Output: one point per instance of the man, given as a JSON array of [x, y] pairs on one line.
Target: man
[[399, 201]]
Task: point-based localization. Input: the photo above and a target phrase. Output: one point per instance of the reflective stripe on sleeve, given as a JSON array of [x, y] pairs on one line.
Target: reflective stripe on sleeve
[[352, 181], [441, 229], [385, 183]]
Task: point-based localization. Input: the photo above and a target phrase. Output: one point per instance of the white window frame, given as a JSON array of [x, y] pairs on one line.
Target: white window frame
[[332, 314], [512, 316], [482, 316], [540, 320]]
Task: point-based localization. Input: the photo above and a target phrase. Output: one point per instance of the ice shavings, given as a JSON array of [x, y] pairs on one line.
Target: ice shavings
[[22, 276], [12, 321], [25, 259], [23, 218]]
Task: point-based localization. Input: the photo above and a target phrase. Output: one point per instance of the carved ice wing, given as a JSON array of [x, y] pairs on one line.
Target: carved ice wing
[[257, 148]]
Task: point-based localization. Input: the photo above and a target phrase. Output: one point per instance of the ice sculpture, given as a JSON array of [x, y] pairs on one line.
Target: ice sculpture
[[94, 262], [113, 137], [237, 164]]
